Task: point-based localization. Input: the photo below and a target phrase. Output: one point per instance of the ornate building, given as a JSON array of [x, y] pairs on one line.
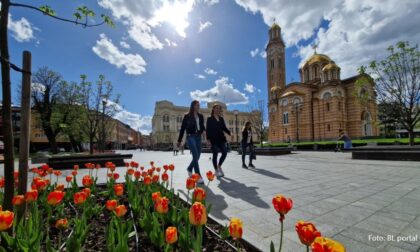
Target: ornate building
[[167, 119], [318, 106]]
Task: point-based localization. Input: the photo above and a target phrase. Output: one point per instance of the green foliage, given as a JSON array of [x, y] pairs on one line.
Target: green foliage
[[117, 234], [47, 10]]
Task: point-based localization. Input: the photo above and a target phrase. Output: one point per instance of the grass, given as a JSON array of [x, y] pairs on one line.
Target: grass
[[356, 141]]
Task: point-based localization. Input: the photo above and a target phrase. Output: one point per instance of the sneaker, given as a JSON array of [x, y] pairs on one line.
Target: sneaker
[[189, 174], [251, 165], [200, 181], [244, 166], [219, 174], [222, 174]]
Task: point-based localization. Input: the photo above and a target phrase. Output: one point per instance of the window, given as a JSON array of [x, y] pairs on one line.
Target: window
[[279, 62], [326, 96], [297, 100], [286, 118], [165, 118], [306, 74], [325, 76], [315, 71], [328, 106], [284, 102], [272, 63], [285, 130], [328, 127]]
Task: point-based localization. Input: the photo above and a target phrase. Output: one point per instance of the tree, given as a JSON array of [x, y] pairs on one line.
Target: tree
[[99, 106], [397, 82], [81, 17], [387, 113], [257, 120]]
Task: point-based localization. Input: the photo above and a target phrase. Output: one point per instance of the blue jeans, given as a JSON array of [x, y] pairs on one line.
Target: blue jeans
[[215, 148], [244, 147], [348, 145], [194, 143]]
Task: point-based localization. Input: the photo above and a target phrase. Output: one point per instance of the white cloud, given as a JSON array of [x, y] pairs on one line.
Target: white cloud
[[105, 49], [124, 44], [263, 54], [197, 60], [254, 52], [204, 25], [21, 29], [211, 2], [134, 120], [142, 17], [219, 61], [38, 87], [170, 43], [200, 76], [223, 91], [179, 91], [250, 88], [357, 33], [210, 71]]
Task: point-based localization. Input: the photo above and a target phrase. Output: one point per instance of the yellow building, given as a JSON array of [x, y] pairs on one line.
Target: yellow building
[[320, 104]]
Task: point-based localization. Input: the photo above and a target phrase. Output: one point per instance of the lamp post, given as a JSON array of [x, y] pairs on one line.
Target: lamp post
[[236, 127], [297, 107], [104, 102]]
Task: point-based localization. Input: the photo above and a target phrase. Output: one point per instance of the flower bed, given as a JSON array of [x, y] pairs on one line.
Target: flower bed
[[144, 214]]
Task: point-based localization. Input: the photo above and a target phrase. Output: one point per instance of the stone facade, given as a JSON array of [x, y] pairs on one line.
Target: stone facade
[[167, 119], [318, 106]]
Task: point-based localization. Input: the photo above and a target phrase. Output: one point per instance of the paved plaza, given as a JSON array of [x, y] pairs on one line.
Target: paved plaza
[[357, 202]]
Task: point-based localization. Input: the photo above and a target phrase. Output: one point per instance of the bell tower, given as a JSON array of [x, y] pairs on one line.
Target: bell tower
[[276, 74]]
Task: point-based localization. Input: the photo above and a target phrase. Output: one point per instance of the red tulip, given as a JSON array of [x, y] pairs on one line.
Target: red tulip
[[87, 181], [307, 232], [59, 187], [55, 198], [210, 175], [31, 196], [137, 175], [322, 244], [199, 194], [6, 220], [171, 235], [147, 180], [57, 173], [155, 196], [18, 200], [162, 205], [171, 167], [119, 189], [111, 204], [69, 179], [282, 205], [190, 183], [79, 198], [61, 224], [198, 214], [120, 210], [165, 177]]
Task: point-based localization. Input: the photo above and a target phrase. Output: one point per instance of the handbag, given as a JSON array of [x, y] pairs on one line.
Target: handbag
[[253, 155]]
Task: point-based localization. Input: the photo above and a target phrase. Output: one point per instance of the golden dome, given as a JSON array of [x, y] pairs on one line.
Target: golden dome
[[330, 66], [317, 58], [275, 88], [275, 25]]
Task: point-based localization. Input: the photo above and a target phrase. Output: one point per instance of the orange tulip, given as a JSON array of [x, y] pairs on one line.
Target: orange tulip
[[86, 191], [190, 183], [79, 198], [155, 178], [137, 175], [57, 173], [198, 214], [50, 170], [31, 196], [322, 244], [171, 167], [119, 189], [55, 198], [196, 177], [147, 180], [75, 167], [130, 171], [235, 228], [74, 173], [307, 232], [112, 167], [155, 196], [18, 200], [162, 205], [69, 179], [282, 205], [87, 181], [210, 175], [111, 205], [165, 177], [120, 210], [158, 169], [40, 184], [199, 194], [61, 224], [6, 220], [171, 235], [59, 187]]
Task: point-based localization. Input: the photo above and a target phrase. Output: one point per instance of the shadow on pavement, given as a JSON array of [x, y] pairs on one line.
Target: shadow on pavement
[[240, 191], [268, 173]]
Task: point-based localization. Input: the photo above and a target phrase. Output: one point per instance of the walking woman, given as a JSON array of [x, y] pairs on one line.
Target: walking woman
[[193, 124], [216, 129], [247, 143]]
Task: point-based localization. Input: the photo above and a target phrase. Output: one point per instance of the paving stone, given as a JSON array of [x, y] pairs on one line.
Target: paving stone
[[352, 245]]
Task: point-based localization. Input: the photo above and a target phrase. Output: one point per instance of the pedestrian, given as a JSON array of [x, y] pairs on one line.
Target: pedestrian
[[344, 137], [216, 129], [247, 143], [193, 125], [182, 148], [175, 149]]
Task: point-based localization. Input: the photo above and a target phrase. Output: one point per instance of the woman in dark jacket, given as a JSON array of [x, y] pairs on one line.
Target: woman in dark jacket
[[193, 124], [216, 128], [247, 143]]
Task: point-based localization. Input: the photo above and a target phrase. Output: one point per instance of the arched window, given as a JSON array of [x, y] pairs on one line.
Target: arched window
[[325, 76], [306, 74], [367, 123], [328, 106], [286, 118], [326, 96], [297, 100], [279, 62], [284, 102], [316, 71]]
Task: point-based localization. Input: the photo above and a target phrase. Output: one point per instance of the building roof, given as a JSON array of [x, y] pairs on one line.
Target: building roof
[[317, 58], [275, 25], [275, 88], [330, 66]]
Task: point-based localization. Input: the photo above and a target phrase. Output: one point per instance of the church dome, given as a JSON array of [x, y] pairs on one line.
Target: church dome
[[317, 58], [275, 25], [275, 89], [330, 66]]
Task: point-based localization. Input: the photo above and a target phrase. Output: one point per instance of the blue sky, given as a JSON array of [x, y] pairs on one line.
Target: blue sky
[[160, 62]]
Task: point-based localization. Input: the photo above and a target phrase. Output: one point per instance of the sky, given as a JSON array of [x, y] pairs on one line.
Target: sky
[[203, 49]]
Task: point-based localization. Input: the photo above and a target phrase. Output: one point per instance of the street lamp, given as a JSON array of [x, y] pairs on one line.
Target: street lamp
[[104, 103], [236, 127], [297, 107]]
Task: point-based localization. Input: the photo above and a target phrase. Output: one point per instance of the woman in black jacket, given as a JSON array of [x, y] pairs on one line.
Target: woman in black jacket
[[193, 124], [216, 128], [247, 143]]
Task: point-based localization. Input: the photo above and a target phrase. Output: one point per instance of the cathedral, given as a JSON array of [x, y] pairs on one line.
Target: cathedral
[[315, 108]]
